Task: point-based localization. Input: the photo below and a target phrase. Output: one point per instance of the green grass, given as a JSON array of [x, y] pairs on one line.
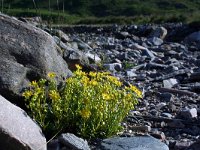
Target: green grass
[[108, 11]]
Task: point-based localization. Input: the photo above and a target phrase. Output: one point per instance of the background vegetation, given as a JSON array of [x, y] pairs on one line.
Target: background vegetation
[[106, 11]]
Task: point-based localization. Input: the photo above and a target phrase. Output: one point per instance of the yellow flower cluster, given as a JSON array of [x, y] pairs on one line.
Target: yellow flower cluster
[[85, 114], [106, 96], [54, 95], [99, 98], [27, 94], [51, 75], [136, 90], [34, 84]]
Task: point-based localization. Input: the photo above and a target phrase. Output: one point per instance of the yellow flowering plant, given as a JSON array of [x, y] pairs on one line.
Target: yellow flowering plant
[[91, 105]]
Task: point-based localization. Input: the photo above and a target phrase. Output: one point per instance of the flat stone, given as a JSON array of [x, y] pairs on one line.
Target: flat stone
[[155, 41], [73, 142], [132, 143], [182, 145], [170, 83]]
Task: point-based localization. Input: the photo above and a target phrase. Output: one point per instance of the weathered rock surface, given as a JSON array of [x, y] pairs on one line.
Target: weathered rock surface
[[26, 53], [17, 130], [71, 141], [130, 143]]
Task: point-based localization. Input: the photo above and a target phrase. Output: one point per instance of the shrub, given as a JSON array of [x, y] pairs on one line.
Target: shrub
[[91, 105]]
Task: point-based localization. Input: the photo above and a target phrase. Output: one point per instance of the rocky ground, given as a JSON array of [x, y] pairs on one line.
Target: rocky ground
[[163, 61]]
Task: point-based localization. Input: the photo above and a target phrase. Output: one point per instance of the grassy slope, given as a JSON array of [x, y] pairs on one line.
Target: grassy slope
[[109, 11]]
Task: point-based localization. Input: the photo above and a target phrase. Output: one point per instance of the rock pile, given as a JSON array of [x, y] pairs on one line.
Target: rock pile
[[164, 63], [162, 60]]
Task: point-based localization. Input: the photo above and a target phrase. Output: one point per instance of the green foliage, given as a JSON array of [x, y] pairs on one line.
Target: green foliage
[[107, 11], [91, 105], [127, 65]]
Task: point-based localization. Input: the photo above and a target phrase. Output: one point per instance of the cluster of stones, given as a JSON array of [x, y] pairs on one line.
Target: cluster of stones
[[163, 61]]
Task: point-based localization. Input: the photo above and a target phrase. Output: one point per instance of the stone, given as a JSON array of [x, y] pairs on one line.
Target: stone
[[168, 115], [182, 145], [144, 129], [131, 73], [93, 57], [194, 146], [64, 37], [73, 56], [26, 53], [159, 135], [148, 53], [188, 113], [176, 124], [113, 67], [82, 45], [155, 41], [193, 37], [17, 130], [73, 142], [130, 143], [160, 105], [170, 83], [167, 97], [137, 46], [159, 32], [53, 145]]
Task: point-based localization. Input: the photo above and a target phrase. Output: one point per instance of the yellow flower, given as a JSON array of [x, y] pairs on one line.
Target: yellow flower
[[38, 90], [106, 96], [136, 90], [114, 80], [79, 73], [33, 83], [78, 67], [51, 74], [85, 114], [93, 82], [27, 94], [93, 74], [54, 95]]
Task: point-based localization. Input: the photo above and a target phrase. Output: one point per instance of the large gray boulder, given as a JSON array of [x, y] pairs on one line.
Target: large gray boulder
[[26, 53], [17, 130]]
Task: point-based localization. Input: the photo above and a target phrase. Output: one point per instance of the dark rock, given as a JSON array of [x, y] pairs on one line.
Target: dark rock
[[17, 130], [194, 37], [73, 142], [167, 97], [176, 124], [129, 143], [26, 53], [159, 32], [188, 113], [53, 145], [194, 146]]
